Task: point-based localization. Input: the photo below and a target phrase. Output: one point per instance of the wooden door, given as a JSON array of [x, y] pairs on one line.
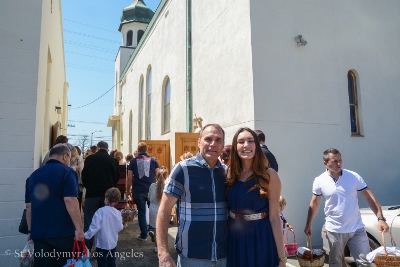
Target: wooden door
[[185, 142], [160, 150]]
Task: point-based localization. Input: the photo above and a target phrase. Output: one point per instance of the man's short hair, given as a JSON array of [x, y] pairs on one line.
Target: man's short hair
[[61, 139], [216, 126], [102, 145], [59, 149], [113, 195], [260, 135], [142, 147], [326, 153]]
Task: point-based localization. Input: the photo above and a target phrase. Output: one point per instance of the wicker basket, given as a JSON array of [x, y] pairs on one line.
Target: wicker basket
[[292, 247], [387, 260], [128, 215], [312, 261]]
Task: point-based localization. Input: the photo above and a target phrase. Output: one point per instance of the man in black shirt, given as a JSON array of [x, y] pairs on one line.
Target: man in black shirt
[[100, 173], [271, 158]]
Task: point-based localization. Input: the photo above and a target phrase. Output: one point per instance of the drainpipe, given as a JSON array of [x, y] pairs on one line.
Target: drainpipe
[[189, 66]]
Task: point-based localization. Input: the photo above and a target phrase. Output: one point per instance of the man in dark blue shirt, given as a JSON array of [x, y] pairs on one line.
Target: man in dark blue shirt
[[144, 169], [271, 158], [52, 209]]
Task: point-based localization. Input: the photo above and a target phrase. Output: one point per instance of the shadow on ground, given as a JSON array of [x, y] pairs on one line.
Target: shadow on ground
[[133, 252]]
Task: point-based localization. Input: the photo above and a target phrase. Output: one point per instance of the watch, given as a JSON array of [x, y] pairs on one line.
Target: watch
[[381, 218], [283, 259]]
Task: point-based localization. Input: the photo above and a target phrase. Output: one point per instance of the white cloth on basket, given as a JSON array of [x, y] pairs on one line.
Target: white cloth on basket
[[381, 250]]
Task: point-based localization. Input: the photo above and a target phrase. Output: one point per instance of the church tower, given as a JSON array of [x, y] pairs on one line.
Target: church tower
[[134, 21]]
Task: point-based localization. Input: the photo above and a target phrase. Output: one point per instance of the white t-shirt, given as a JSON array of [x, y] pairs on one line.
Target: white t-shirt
[[341, 204], [106, 224]]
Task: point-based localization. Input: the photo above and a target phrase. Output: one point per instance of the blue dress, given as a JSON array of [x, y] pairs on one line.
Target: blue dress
[[251, 243]]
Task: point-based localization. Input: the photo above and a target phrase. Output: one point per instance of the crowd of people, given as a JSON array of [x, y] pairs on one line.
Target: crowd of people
[[227, 198]]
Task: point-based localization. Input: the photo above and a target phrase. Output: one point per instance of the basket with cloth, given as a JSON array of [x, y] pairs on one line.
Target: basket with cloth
[[385, 256], [309, 257]]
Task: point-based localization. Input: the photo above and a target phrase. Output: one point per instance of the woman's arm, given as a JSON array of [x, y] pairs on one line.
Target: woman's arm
[[274, 193]]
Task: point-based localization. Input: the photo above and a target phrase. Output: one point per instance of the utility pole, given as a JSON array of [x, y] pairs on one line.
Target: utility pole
[[91, 138]]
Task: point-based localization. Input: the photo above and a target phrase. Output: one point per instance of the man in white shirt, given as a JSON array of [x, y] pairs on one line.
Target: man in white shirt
[[343, 222]]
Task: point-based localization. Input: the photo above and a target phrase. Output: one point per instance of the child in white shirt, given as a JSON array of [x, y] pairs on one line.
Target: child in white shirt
[[282, 205], [106, 224]]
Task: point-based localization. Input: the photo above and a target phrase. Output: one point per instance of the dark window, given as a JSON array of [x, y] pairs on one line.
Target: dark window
[[129, 36], [139, 35], [166, 106], [353, 102]]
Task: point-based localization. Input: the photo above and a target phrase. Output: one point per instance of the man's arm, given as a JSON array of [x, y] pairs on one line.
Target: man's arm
[[28, 218], [375, 207], [163, 218], [312, 212], [72, 206]]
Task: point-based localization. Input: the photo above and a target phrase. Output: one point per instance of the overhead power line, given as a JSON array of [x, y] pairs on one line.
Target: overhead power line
[[97, 98], [105, 50], [91, 36], [91, 26], [88, 56]]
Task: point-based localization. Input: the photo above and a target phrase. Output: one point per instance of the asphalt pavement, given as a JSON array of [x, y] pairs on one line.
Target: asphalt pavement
[[133, 252]]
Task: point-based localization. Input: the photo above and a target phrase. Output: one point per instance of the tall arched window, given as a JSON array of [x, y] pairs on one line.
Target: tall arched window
[[353, 103], [139, 35], [129, 37], [141, 109], [149, 89], [166, 105], [130, 132]]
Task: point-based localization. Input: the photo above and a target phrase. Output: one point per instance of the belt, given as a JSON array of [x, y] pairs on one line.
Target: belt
[[249, 217]]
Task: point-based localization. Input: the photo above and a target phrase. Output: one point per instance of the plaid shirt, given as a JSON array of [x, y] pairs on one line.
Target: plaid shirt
[[202, 231]]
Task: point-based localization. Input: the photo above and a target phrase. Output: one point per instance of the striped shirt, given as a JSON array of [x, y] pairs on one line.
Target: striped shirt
[[202, 231]]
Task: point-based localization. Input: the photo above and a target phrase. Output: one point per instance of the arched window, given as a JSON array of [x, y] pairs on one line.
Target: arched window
[[149, 89], [141, 109], [166, 105], [353, 102], [139, 35], [130, 132], [129, 37]]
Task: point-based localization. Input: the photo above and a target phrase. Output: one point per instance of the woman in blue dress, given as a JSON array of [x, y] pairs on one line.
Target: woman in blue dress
[[255, 231]]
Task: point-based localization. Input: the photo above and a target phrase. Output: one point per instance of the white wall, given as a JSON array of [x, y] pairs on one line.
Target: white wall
[[301, 94], [30, 32]]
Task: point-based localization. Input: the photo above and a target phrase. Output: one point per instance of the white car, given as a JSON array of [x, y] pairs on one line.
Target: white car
[[392, 215]]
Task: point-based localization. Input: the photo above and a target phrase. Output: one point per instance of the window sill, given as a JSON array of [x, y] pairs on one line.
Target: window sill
[[166, 132], [357, 135]]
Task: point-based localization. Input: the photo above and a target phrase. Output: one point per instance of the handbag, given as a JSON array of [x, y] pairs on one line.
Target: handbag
[[23, 225], [79, 258]]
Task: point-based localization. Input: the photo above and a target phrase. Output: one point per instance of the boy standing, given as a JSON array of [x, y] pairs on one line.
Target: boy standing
[[106, 224]]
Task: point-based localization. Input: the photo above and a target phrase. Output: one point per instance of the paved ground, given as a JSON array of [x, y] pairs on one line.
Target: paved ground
[[137, 253], [134, 252]]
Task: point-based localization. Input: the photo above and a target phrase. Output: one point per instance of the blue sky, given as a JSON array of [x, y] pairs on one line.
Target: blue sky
[[91, 43]]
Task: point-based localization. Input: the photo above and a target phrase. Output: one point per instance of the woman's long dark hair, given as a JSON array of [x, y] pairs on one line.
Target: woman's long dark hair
[[259, 165]]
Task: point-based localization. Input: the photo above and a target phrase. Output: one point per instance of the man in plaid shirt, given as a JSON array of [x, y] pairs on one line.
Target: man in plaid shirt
[[198, 185]]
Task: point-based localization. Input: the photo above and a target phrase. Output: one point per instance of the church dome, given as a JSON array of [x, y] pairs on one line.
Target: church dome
[[136, 12]]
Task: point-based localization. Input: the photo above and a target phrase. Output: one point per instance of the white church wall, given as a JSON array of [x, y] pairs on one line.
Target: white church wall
[[301, 93], [23, 80], [165, 39], [222, 67]]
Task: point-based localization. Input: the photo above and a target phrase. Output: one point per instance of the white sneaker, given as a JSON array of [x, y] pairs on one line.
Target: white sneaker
[[155, 249]]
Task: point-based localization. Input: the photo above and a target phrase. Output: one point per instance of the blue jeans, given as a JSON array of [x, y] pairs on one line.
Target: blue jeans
[[357, 242], [92, 204], [192, 262], [141, 202], [105, 257], [45, 246]]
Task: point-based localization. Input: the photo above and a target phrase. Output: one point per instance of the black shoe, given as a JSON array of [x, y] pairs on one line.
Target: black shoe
[[151, 234]]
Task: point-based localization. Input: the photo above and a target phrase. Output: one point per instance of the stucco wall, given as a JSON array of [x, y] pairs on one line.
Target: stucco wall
[[29, 31], [301, 93]]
